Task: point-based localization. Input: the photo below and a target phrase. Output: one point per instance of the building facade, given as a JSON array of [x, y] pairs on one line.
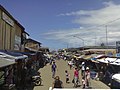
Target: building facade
[[32, 44], [11, 31]]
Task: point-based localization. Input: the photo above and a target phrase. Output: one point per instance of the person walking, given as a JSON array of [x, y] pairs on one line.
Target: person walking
[[83, 69], [53, 69], [57, 83], [87, 76], [67, 76], [76, 77], [70, 64], [83, 82]]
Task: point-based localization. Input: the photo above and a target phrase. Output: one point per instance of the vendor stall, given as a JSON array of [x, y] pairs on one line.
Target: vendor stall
[[115, 83], [19, 67], [6, 73]]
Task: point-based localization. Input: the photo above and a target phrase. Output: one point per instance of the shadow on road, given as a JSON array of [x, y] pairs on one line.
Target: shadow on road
[[28, 87]]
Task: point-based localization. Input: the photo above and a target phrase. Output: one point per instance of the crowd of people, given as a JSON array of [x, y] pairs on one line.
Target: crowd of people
[[85, 76]]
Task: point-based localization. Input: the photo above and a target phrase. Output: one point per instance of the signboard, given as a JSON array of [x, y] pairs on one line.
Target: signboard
[[17, 45], [118, 46], [7, 19]]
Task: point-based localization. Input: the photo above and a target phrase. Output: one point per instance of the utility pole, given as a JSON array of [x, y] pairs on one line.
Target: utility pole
[[67, 45], [106, 37], [80, 39]]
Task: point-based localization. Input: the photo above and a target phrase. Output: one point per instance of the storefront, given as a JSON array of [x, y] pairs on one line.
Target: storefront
[[11, 32], [115, 83], [18, 69], [37, 58], [6, 73]]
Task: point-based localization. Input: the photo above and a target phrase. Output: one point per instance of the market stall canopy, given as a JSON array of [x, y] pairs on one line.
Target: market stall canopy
[[28, 53], [6, 62], [32, 50], [100, 56], [81, 56], [12, 55], [116, 77], [117, 62], [113, 61], [102, 60], [88, 57]]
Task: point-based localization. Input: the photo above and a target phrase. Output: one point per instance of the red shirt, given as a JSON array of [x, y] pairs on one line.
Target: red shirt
[[76, 73]]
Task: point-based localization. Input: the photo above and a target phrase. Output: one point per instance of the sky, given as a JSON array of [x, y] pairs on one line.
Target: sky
[[68, 23]]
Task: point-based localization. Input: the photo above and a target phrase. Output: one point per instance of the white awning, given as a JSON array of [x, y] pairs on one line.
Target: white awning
[[6, 62], [116, 77]]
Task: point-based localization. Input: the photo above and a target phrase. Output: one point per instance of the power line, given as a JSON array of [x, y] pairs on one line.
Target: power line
[[89, 28]]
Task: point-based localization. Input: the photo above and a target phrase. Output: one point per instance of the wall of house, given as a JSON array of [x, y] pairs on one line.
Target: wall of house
[[6, 31], [32, 45], [18, 35], [10, 32]]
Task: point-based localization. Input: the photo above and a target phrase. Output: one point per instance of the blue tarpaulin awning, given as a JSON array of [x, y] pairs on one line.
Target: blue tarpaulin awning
[[11, 54]]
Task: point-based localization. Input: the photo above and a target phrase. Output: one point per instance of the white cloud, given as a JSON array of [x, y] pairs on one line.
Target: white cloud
[[109, 15], [98, 17]]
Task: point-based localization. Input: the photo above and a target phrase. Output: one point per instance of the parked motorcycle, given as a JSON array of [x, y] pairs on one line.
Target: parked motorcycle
[[37, 80]]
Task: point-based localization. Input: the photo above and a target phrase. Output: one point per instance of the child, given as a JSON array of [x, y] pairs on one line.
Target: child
[[67, 76], [87, 74], [83, 81]]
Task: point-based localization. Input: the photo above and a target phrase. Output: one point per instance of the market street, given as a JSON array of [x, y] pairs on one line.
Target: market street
[[59, 44], [61, 67]]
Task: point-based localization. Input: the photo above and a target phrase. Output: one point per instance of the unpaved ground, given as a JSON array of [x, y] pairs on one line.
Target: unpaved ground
[[61, 67]]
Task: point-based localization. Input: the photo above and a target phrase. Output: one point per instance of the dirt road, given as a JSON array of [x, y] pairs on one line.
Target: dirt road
[[61, 67]]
